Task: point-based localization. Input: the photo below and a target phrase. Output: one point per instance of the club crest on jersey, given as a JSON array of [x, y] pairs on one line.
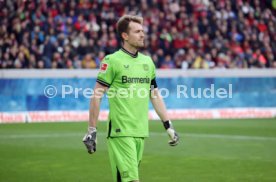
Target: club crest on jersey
[[103, 67], [146, 67]]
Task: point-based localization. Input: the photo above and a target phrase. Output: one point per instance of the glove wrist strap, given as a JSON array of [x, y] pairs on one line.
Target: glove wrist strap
[[167, 124], [91, 129]]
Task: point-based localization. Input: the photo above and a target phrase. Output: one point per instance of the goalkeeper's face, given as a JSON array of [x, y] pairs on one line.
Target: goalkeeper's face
[[135, 36]]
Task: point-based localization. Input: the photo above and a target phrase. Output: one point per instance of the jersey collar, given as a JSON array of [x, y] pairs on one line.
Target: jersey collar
[[129, 53]]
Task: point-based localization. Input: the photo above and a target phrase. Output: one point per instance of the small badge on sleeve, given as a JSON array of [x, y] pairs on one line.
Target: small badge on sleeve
[[103, 67]]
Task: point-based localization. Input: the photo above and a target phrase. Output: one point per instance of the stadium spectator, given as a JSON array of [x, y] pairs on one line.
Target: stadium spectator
[[242, 32]]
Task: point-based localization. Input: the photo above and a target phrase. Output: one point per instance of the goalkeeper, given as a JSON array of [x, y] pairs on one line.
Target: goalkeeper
[[128, 116]]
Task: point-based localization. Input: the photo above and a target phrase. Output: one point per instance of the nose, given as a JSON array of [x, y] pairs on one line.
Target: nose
[[142, 35]]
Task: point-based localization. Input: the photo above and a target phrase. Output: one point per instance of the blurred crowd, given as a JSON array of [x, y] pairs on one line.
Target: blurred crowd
[[185, 34]]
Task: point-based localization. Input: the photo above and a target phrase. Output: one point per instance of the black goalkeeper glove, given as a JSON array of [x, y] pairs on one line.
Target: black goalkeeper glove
[[90, 140], [174, 138]]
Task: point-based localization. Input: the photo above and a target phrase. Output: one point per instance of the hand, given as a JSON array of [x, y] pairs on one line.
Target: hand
[[90, 140], [174, 138]]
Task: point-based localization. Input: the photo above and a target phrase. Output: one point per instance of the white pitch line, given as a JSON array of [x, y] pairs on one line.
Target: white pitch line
[[55, 135], [230, 137], [182, 135]]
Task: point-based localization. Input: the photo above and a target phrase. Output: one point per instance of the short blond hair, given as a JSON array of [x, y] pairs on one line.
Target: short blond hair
[[123, 23]]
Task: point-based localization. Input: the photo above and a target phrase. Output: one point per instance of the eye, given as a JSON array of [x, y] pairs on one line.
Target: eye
[[140, 31]]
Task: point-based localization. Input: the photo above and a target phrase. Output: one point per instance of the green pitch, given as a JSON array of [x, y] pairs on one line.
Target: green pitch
[[210, 150]]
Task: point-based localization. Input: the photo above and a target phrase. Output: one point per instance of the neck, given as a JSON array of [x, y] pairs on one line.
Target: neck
[[130, 48]]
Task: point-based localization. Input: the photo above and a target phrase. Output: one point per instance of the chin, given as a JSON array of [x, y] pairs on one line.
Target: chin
[[140, 46]]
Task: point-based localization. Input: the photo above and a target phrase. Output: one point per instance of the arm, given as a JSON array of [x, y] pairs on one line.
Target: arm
[[159, 105], [90, 139], [160, 108], [95, 102]]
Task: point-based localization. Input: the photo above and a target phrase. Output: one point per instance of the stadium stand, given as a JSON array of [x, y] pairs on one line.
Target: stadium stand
[[196, 34]]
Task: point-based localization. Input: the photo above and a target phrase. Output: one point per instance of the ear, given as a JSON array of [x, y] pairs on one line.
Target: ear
[[125, 36]]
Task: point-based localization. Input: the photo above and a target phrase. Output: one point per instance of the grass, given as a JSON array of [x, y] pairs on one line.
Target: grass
[[210, 150]]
